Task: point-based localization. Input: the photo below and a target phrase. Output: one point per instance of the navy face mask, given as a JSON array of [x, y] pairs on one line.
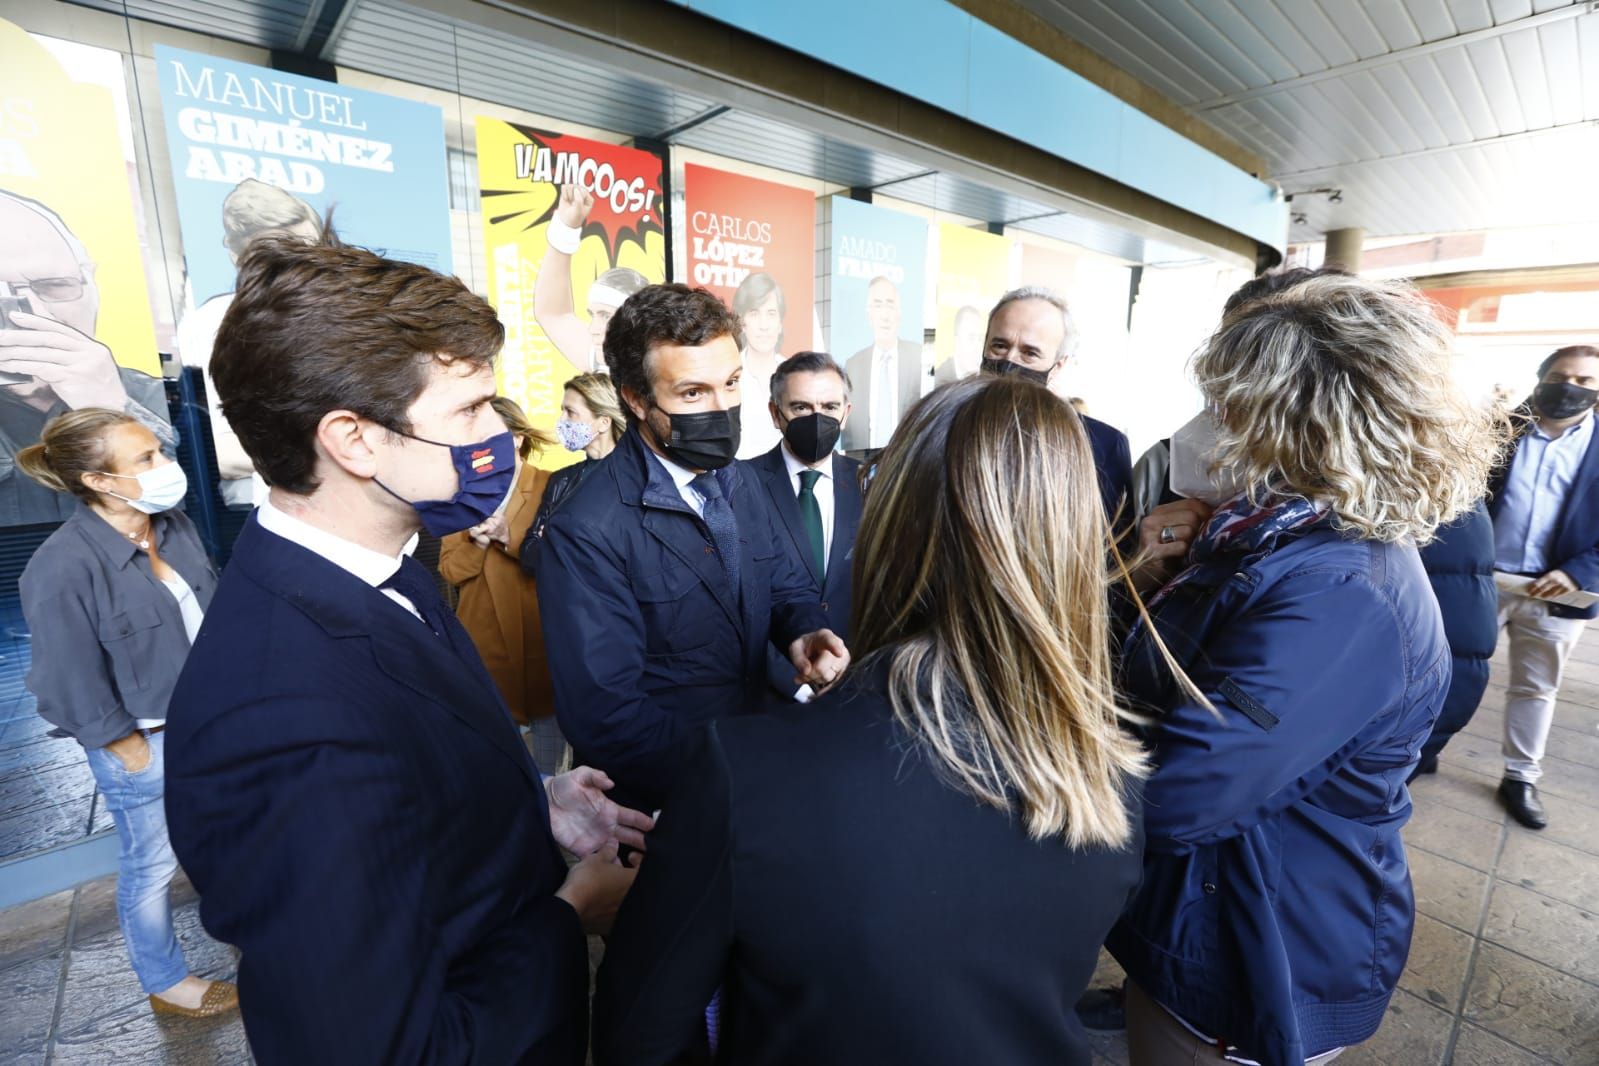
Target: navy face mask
[[485, 474]]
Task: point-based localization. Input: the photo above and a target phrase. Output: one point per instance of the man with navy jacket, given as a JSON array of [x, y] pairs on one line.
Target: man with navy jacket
[[345, 786], [1030, 334], [662, 580], [814, 491], [1544, 499]]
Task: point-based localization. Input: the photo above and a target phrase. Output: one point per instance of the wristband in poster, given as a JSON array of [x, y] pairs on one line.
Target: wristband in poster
[[563, 238]]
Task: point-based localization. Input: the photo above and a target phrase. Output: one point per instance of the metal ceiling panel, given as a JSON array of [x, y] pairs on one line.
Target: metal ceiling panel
[[263, 23], [1357, 92]]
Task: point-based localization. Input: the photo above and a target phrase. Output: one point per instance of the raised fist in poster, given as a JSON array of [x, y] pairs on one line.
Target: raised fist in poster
[[581, 343]]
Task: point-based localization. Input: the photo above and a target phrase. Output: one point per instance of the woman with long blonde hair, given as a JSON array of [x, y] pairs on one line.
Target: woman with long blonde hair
[[920, 865], [1275, 911]]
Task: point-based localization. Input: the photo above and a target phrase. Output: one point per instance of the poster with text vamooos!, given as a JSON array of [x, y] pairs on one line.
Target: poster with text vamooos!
[[572, 227]]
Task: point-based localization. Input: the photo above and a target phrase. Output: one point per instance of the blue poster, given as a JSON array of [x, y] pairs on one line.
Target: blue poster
[[878, 285], [258, 152]]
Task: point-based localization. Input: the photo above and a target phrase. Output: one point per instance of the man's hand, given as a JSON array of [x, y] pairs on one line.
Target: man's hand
[[574, 206], [583, 818], [820, 659], [1554, 583], [596, 887], [78, 369], [132, 751], [489, 531], [1164, 537]]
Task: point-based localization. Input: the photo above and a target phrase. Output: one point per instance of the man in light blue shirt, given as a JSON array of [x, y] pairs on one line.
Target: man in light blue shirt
[[1544, 500]]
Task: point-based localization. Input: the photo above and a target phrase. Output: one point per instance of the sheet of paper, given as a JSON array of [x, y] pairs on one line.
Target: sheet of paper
[[1516, 585]]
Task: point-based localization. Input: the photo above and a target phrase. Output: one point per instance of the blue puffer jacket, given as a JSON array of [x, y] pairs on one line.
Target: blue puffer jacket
[[1460, 566], [1276, 907]]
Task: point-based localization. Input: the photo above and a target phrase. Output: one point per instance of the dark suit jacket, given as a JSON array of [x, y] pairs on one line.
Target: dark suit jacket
[[645, 639], [1575, 547], [857, 435], [852, 906], [348, 794], [1113, 462], [771, 473]]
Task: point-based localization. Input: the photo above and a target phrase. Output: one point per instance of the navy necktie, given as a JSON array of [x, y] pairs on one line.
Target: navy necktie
[[413, 581], [723, 524]]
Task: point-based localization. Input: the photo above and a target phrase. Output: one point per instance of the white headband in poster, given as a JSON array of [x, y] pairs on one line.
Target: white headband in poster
[[601, 295]]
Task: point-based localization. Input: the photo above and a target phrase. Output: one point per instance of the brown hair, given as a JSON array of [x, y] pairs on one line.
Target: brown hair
[[72, 444], [599, 395], [979, 569], [323, 327], [516, 421]]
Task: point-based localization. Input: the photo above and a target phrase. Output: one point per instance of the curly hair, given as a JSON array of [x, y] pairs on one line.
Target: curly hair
[[1339, 389]]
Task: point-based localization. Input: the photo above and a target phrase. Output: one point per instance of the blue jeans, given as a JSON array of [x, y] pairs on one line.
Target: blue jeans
[[144, 908]]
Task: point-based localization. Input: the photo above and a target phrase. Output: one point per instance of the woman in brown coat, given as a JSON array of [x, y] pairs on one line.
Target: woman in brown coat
[[499, 604]]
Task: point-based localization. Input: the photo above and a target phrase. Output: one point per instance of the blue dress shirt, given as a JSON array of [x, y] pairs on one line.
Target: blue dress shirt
[[1534, 492]]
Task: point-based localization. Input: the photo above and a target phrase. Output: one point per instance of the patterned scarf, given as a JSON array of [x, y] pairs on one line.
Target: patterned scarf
[[1241, 528]]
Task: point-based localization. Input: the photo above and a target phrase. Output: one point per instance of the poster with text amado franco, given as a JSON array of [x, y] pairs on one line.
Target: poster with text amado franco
[[263, 153], [572, 227], [753, 243], [76, 328], [878, 284], [973, 273]]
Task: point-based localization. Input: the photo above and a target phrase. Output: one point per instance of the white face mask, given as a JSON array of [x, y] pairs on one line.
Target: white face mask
[[1193, 452], [161, 488]]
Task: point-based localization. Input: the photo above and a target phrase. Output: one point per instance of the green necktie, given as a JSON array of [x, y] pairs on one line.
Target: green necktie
[[811, 515]]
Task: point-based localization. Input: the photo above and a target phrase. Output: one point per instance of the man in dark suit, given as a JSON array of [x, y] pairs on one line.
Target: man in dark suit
[[887, 373], [345, 786], [662, 580], [1030, 333], [1544, 500], [814, 492]]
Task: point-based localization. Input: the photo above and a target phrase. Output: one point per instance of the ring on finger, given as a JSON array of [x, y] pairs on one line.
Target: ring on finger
[[1167, 534]]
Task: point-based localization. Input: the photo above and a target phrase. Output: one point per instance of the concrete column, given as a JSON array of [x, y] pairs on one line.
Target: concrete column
[[1343, 248]]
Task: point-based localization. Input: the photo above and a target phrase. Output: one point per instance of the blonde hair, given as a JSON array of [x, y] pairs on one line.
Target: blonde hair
[[980, 575], [1338, 389], [516, 421], [72, 444], [599, 395]]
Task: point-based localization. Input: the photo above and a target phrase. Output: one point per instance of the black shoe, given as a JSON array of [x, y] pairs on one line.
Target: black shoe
[[1103, 1010], [1427, 765], [1521, 800]]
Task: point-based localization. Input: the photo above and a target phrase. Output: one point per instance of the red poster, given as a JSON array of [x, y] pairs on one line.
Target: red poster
[[753, 243]]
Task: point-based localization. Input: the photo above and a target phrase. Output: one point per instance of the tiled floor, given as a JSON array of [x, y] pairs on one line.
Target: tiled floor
[[1504, 970]]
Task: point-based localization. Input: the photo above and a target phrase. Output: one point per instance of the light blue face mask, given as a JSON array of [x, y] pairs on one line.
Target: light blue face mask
[[161, 488]]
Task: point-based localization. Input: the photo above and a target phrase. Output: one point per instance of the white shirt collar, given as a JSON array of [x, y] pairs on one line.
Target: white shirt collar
[[682, 476], [372, 567], [795, 467]]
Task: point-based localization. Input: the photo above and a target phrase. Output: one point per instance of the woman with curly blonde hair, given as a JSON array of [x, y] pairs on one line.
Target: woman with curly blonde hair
[[1275, 912]]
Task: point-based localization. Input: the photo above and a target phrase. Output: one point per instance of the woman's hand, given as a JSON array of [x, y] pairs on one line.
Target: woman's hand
[[1164, 538], [132, 751]]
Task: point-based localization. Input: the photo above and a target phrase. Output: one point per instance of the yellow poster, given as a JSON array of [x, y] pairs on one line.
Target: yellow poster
[[556, 299], [66, 178], [973, 273]]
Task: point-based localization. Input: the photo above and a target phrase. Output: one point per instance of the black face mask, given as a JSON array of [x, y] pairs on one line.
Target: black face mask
[[812, 437], [1005, 368], [704, 440], [1561, 399]]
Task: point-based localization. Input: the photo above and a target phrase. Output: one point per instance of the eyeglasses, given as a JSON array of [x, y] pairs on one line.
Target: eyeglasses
[[53, 290]]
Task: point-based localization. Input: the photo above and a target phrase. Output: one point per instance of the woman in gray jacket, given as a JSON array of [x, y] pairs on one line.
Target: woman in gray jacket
[[113, 599]]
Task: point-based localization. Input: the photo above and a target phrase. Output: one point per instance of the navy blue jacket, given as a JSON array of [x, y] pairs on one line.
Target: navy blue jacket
[[645, 640], [1575, 547], [1113, 462], [771, 473], [1276, 909], [1460, 565], [350, 797]]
